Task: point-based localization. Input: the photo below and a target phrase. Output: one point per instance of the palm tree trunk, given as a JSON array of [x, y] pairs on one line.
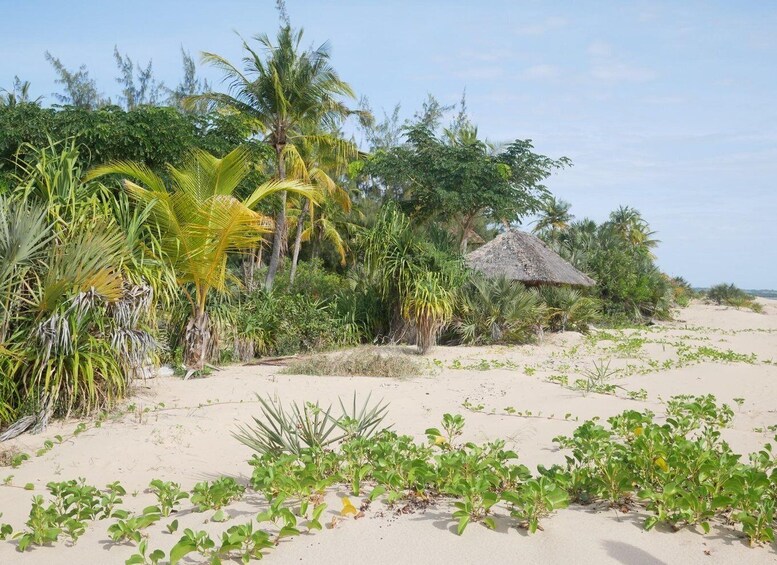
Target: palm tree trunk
[[197, 339], [280, 225], [298, 239], [251, 262]]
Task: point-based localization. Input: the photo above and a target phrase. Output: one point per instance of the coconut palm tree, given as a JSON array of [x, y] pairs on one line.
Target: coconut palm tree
[[312, 163], [554, 218], [199, 222], [18, 95], [282, 90], [629, 224]]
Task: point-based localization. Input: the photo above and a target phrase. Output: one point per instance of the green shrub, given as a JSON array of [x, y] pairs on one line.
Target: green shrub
[[569, 308], [682, 291], [279, 323], [730, 294], [498, 311], [617, 255]]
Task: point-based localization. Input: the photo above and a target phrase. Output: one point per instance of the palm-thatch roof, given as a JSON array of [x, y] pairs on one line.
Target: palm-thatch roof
[[521, 256], [473, 237]]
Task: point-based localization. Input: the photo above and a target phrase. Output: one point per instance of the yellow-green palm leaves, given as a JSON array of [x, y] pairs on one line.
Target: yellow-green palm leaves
[[199, 221], [311, 161]]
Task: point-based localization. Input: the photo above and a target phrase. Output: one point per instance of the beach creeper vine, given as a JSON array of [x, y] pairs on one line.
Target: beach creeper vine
[[678, 471]]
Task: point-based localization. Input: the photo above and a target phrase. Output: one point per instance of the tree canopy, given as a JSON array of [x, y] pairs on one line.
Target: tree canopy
[[457, 178]]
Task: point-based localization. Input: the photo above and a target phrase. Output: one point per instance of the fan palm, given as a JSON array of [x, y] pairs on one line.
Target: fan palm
[[282, 91], [198, 222], [24, 235], [498, 310]]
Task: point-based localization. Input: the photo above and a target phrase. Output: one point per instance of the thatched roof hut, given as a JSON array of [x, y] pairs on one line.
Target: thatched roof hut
[[521, 256]]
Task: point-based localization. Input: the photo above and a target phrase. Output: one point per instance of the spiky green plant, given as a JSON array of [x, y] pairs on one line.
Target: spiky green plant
[[292, 430], [429, 306], [416, 278]]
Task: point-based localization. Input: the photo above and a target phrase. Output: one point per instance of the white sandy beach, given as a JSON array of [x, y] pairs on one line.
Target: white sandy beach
[[181, 431]]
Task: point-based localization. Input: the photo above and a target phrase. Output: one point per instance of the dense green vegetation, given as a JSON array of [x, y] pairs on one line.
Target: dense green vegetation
[[193, 226]]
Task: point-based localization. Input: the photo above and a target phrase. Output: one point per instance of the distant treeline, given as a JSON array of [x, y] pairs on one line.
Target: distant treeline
[[763, 292]]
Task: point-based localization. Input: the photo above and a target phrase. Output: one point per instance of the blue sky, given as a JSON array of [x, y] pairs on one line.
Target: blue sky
[[665, 106]]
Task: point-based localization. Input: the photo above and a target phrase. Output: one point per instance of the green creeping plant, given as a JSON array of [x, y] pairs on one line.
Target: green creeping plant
[[43, 523], [535, 499], [142, 557], [192, 541], [73, 504], [18, 459], [277, 513], [76, 499], [172, 527], [242, 541], [302, 478], [111, 498], [214, 495], [168, 494], [452, 425], [47, 446], [315, 521], [128, 528], [355, 468], [752, 495], [475, 507], [247, 542]]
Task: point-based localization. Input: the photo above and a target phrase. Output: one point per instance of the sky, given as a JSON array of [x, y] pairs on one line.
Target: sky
[[668, 107]]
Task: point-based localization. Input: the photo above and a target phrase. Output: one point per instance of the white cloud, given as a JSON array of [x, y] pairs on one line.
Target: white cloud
[[621, 72], [609, 67], [542, 72], [479, 73], [540, 28], [600, 49]]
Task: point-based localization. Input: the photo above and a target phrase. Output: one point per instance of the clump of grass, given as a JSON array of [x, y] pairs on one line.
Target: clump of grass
[[364, 362]]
